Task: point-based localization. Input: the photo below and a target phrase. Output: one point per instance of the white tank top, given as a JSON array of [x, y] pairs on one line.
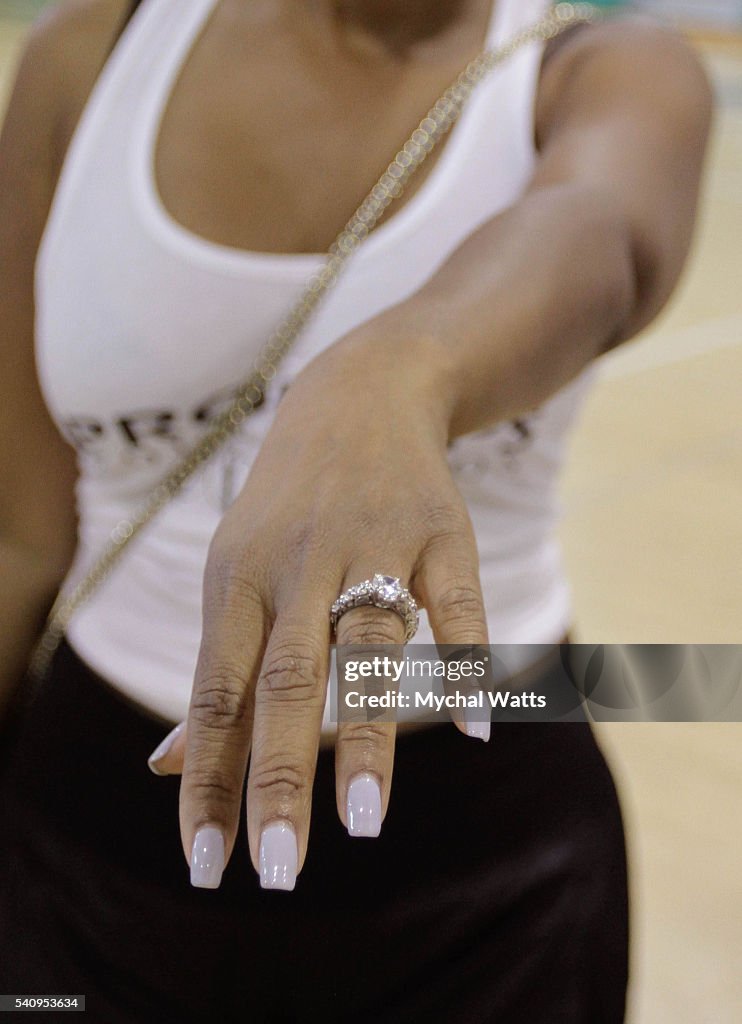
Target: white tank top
[[143, 328]]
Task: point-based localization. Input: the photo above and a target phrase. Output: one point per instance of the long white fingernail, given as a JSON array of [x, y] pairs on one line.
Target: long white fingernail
[[364, 807], [278, 856], [207, 858], [164, 748], [478, 730]]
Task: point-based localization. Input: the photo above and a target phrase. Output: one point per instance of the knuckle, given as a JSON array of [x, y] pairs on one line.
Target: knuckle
[[460, 602], [369, 737], [370, 626], [292, 671], [279, 780], [213, 785], [231, 575], [220, 700], [299, 538], [366, 519], [444, 521], [306, 550], [371, 517]]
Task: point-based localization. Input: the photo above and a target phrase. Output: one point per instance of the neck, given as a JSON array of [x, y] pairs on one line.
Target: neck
[[399, 25]]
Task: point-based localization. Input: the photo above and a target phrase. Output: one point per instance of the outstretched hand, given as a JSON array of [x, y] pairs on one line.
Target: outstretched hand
[[352, 479]]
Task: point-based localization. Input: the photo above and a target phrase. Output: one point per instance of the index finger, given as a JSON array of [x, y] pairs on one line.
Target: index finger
[[219, 727]]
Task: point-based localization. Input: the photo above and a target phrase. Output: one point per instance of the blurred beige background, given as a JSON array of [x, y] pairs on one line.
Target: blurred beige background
[[653, 540]]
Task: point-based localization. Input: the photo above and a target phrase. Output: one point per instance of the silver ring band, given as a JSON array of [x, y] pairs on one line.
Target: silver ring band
[[382, 592]]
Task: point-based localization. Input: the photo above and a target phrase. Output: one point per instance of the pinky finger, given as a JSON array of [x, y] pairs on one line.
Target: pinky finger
[[167, 758], [447, 579]]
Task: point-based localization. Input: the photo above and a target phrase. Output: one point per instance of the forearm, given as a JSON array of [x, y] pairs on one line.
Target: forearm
[[594, 248], [524, 304], [28, 587]]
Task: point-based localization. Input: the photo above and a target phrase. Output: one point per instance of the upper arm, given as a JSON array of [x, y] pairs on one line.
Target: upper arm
[[37, 468], [623, 112]]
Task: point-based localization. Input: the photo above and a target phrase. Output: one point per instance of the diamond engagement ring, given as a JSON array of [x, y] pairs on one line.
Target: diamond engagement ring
[[381, 592]]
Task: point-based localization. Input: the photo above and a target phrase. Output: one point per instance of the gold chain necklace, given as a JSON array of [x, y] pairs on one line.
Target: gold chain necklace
[[436, 124]]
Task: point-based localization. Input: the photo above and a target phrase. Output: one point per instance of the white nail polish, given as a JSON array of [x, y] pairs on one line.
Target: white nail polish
[[363, 808], [478, 730], [159, 752], [278, 856], [207, 858]]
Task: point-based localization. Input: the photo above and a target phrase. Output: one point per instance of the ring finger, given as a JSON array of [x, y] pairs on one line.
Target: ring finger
[[364, 752]]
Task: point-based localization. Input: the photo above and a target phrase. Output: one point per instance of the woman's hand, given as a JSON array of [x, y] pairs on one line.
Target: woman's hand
[[351, 480]]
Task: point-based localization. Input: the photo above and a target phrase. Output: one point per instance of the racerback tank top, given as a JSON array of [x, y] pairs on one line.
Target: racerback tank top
[[143, 329]]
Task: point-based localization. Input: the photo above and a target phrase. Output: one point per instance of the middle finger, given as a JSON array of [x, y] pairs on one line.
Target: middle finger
[[289, 702]]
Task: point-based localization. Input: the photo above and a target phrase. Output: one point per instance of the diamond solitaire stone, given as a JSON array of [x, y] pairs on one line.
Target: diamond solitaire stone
[[388, 587]]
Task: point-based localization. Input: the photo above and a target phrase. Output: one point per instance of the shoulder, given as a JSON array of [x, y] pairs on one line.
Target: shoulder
[[69, 36], [64, 54], [624, 61]]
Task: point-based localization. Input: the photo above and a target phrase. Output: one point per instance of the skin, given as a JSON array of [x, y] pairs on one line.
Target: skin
[[583, 261]]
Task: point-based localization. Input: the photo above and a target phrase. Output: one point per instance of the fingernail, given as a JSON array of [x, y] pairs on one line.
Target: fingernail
[[478, 730], [159, 752], [207, 858], [364, 807], [278, 856]]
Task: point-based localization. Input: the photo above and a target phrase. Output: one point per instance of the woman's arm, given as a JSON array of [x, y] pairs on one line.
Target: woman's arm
[[353, 476], [593, 250], [37, 468]]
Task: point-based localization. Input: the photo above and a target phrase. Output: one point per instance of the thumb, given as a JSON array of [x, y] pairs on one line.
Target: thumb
[[167, 759]]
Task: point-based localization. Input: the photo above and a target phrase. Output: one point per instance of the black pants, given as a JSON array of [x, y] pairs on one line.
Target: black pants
[[496, 892]]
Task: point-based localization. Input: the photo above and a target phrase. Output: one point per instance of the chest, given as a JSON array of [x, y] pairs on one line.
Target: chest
[[270, 138], [138, 318]]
